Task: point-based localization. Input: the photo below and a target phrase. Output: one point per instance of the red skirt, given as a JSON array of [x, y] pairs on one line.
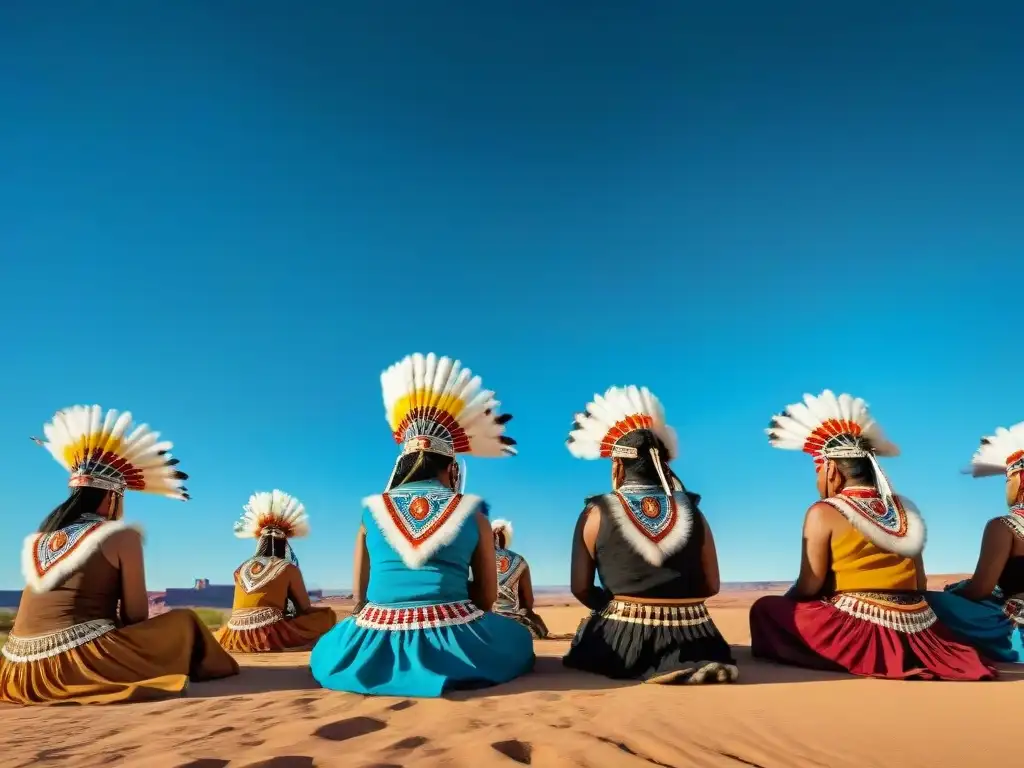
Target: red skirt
[[894, 636]]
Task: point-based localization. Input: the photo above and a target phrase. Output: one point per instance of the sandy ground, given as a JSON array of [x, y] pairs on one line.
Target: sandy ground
[[274, 715]]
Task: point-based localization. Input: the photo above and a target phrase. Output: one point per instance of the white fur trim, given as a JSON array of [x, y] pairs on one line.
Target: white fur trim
[[416, 556], [909, 545], [61, 571], [506, 527], [652, 552]]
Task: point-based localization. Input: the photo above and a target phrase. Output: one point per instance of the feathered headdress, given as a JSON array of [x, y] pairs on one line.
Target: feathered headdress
[[830, 427], [999, 454], [504, 527], [437, 405], [274, 514], [103, 451], [597, 432]]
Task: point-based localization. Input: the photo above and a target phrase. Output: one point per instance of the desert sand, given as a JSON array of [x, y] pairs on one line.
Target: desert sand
[[273, 714]]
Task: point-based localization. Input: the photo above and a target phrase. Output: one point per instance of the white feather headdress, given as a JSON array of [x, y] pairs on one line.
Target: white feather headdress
[[612, 416], [830, 427], [104, 451], [274, 514], [435, 404], [505, 528], [597, 431], [999, 454]]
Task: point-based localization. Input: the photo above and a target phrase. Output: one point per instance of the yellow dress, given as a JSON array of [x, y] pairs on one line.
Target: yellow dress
[[66, 645], [258, 623]]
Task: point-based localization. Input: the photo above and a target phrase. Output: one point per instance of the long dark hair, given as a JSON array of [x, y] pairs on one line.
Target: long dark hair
[[419, 466], [642, 469], [82, 501], [272, 546]]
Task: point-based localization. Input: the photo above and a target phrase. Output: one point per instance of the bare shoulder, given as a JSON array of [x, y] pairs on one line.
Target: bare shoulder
[[996, 528], [822, 516], [125, 540]]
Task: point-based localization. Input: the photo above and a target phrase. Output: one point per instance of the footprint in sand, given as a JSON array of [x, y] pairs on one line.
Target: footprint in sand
[[402, 705], [349, 728], [518, 751], [284, 761], [410, 743], [205, 762]]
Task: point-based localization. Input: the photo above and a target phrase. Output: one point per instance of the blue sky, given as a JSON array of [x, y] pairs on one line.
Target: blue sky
[[228, 218]]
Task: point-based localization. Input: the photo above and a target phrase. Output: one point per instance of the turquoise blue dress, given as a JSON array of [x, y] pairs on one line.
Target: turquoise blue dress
[[419, 634], [987, 625]]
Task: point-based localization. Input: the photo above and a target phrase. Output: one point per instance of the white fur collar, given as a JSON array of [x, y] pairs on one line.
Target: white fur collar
[[657, 538], [448, 513], [49, 559], [909, 544]]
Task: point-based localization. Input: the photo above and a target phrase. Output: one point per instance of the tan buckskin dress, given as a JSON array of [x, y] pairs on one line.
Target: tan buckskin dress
[[67, 644], [258, 623]]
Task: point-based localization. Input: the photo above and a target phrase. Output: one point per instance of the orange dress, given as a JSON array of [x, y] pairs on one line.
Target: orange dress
[[258, 623], [67, 646]]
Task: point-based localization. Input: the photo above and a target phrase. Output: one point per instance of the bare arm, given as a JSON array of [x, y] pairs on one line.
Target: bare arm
[[709, 559], [584, 565], [996, 547], [297, 590], [484, 587], [815, 553], [127, 548], [360, 568], [526, 589]]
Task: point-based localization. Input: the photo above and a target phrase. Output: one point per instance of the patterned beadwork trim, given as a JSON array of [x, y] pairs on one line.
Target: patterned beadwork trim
[[421, 617], [24, 649], [254, 618], [902, 613], [1015, 521], [693, 618], [1013, 609]]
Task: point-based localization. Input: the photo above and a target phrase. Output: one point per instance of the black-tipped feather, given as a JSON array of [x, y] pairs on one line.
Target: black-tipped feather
[[504, 418], [507, 440]]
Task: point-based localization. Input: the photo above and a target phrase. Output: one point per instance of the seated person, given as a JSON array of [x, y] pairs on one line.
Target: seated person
[[83, 633], [987, 610], [858, 605], [271, 609], [515, 588], [654, 552], [421, 627]]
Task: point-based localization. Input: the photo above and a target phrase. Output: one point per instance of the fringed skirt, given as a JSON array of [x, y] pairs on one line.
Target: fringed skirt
[[667, 644], [421, 650], [534, 623], [96, 663], [266, 630], [894, 636], [993, 626]]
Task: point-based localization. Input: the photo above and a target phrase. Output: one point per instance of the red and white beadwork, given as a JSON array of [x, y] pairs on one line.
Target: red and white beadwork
[[908, 614], [1001, 453], [894, 524], [612, 416], [254, 618], [48, 559], [257, 572], [654, 524], [418, 522], [421, 617]]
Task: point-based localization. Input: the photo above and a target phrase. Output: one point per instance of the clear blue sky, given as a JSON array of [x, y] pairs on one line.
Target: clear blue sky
[[229, 217]]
